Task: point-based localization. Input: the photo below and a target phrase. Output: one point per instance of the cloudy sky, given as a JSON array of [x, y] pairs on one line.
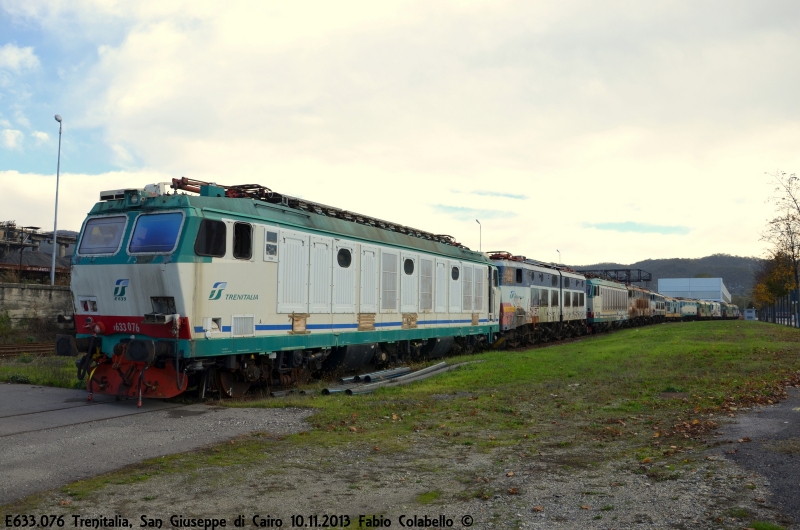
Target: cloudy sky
[[611, 131]]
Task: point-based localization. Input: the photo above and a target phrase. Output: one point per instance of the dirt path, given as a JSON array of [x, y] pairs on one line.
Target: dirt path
[[51, 436], [770, 447], [547, 483], [500, 488]]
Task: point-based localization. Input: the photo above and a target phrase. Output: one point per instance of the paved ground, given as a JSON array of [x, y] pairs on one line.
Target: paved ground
[[52, 436], [773, 450]]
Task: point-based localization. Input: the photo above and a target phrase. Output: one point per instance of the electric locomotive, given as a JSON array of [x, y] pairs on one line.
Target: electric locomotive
[[230, 286], [539, 302]]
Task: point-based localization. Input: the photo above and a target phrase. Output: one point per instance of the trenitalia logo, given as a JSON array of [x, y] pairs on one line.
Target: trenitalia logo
[[119, 289], [216, 290]]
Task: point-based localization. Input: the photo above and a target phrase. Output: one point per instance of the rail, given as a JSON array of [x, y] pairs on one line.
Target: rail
[[33, 348]]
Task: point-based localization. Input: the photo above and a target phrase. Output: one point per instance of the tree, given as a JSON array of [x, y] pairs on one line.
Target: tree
[[783, 230], [774, 279]]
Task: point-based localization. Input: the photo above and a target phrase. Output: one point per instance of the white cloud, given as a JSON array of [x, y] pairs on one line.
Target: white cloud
[[666, 114], [41, 137], [21, 119], [29, 198], [17, 59], [11, 138], [121, 156], [4, 123]]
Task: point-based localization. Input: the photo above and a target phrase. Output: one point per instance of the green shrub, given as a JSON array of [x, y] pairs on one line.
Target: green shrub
[[20, 379]]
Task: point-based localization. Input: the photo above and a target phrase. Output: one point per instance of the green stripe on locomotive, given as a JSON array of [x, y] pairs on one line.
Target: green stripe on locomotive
[[240, 345]]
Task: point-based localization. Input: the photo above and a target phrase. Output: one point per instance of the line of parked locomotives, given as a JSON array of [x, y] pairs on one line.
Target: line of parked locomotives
[[217, 288]]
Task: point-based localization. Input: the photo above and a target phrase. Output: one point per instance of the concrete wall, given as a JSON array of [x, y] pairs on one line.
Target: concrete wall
[[22, 300]]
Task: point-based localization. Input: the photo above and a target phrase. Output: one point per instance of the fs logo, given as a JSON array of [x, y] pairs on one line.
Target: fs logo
[[119, 289], [216, 291]]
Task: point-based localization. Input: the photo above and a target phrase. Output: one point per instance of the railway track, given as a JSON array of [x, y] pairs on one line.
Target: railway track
[[34, 348]]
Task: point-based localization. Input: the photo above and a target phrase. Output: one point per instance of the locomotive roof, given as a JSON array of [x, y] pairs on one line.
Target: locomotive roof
[[597, 280], [508, 260], [292, 218]]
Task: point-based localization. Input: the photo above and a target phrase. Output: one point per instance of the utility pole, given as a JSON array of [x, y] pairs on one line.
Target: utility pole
[[55, 220]]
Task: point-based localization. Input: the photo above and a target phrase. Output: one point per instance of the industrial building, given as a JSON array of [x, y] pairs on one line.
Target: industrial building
[[711, 289]]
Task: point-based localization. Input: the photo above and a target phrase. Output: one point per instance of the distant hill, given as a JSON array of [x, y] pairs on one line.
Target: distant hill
[[736, 271]]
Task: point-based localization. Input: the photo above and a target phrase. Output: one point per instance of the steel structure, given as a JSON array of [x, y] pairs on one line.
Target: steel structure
[[626, 276]]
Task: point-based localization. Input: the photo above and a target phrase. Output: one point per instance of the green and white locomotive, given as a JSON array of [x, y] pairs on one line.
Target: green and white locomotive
[[230, 286]]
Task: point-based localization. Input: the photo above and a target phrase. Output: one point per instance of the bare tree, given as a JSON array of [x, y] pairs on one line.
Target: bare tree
[[783, 231]]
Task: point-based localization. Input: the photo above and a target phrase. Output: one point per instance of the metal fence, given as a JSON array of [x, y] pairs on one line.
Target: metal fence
[[783, 311]]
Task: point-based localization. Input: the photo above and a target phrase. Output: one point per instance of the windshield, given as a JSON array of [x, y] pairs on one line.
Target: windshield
[[156, 233], [102, 235]]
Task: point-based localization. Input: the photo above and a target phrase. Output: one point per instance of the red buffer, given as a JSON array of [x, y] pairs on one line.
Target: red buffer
[[120, 377]]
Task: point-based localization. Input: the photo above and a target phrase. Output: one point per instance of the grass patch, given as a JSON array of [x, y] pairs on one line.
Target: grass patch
[[739, 513], [790, 446], [429, 497], [40, 370], [563, 401], [763, 525], [513, 398]]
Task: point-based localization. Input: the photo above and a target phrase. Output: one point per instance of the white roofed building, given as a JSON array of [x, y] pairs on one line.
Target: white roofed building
[[711, 289]]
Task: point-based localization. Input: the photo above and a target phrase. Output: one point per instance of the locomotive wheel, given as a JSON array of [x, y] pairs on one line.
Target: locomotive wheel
[[229, 386]]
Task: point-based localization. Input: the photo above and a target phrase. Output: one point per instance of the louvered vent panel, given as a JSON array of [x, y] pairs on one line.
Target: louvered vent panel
[[467, 289], [426, 285], [441, 286], [388, 281], [320, 276], [243, 326], [480, 273]]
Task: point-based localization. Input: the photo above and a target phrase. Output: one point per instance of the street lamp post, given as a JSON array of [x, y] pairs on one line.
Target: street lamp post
[[559, 256], [55, 220], [480, 236]]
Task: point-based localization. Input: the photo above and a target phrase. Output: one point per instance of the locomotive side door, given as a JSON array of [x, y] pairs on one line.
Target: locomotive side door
[[494, 300]]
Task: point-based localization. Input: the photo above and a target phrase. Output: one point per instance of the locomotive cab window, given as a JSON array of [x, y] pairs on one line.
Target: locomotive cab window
[[242, 240], [211, 238], [102, 235], [271, 246], [566, 283], [494, 278], [554, 280], [519, 275], [156, 233]]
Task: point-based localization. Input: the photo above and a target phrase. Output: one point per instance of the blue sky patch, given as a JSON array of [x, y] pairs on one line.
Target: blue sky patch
[[467, 214], [486, 193], [642, 228]]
